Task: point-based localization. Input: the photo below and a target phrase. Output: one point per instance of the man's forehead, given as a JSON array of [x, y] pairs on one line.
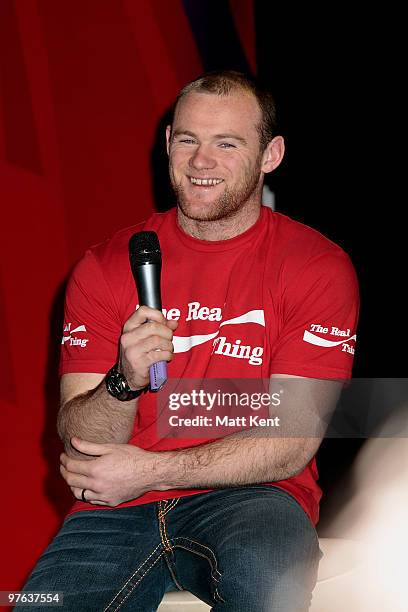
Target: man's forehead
[[211, 114], [238, 105]]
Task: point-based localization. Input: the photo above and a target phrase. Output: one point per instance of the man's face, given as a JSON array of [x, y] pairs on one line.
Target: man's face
[[214, 154]]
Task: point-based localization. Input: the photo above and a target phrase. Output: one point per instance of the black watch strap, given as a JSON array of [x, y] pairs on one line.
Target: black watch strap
[[118, 386]]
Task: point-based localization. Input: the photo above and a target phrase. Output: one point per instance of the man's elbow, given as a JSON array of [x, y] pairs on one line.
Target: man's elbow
[[299, 457], [63, 429]]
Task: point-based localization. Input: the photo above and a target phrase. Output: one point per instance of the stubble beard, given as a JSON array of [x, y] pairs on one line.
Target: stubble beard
[[226, 205]]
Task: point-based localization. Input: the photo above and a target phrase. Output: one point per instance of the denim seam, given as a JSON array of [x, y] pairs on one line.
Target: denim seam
[[215, 574], [134, 586], [162, 511], [195, 552], [172, 573], [162, 523], [160, 518], [135, 572], [202, 546], [163, 535], [212, 562], [173, 503]]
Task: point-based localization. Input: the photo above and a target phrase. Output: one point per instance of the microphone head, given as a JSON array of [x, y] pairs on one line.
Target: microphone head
[[144, 248]]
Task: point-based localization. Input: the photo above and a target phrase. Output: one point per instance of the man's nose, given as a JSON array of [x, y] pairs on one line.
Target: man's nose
[[202, 158]]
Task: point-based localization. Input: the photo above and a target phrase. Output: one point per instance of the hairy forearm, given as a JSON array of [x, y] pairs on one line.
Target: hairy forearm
[[97, 417], [260, 454], [238, 459]]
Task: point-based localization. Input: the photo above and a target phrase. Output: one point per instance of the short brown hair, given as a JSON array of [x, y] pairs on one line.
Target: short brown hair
[[223, 82]]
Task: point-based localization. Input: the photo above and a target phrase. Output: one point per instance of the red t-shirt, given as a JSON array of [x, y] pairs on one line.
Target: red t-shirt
[[281, 289]]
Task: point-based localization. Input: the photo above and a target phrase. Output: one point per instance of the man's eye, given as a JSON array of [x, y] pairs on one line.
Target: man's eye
[[187, 140], [226, 145]]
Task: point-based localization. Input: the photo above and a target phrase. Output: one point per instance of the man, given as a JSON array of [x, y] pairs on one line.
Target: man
[[248, 294]]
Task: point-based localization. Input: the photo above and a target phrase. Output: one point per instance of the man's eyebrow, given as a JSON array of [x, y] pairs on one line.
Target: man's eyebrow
[[230, 135], [183, 133]]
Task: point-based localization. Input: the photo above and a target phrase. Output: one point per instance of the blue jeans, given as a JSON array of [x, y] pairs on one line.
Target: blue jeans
[[241, 549]]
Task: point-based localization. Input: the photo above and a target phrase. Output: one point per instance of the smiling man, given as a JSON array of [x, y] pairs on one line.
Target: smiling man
[[249, 295], [218, 157]]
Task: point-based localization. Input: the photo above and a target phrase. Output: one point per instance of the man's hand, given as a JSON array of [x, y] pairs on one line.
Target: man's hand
[[117, 474], [146, 339]]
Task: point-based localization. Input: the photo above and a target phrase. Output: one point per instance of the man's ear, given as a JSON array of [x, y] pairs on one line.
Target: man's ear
[[273, 154], [168, 135]]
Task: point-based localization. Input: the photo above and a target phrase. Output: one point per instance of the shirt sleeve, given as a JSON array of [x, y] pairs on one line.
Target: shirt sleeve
[[92, 325], [319, 318]]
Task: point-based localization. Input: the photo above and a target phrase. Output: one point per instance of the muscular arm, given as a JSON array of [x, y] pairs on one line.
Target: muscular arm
[[259, 454], [88, 411], [237, 459]]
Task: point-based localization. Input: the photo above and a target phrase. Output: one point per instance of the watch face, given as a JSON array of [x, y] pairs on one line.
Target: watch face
[[117, 382], [118, 387]]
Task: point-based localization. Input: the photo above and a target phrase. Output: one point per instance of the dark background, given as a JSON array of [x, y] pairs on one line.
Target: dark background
[[336, 81], [336, 77]]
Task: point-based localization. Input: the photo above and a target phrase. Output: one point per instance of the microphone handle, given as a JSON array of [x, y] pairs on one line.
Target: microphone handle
[[147, 277]]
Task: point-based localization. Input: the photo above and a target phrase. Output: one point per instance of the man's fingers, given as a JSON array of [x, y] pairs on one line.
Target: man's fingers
[[78, 486], [90, 448], [74, 480], [91, 497], [153, 343], [141, 316], [76, 465], [140, 334], [156, 356], [141, 357]]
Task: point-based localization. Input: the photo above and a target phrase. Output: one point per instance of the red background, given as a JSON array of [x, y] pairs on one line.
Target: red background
[[84, 87]]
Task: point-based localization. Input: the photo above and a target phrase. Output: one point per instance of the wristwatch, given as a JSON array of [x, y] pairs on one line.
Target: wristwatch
[[118, 386]]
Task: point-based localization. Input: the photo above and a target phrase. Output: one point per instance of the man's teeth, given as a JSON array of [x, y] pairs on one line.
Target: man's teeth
[[205, 182]]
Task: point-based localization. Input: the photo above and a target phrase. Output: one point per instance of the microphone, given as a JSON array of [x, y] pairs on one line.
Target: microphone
[[145, 262]]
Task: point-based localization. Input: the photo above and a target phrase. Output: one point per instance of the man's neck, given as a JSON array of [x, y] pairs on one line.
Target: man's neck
[[222, 229]]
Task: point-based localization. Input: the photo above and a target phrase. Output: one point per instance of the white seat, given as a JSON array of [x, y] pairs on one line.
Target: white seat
[[342, 559], [180, 601]]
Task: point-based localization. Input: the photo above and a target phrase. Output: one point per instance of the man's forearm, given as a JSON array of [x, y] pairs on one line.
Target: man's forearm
[[238, 459], [97, 417]]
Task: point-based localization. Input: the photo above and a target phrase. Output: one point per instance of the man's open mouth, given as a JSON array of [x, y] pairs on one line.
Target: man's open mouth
[[205, 182]]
